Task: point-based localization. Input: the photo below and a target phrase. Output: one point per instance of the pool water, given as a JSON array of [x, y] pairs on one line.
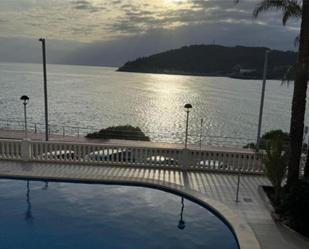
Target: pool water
[[41, 215]]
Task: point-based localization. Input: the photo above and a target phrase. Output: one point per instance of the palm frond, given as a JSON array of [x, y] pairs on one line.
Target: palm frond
[[293, 10], [289, 8], [296, 41], [266, 5], [289, 75], [275, 161]]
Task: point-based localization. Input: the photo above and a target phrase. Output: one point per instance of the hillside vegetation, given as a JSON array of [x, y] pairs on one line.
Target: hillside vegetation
[[215, 60]]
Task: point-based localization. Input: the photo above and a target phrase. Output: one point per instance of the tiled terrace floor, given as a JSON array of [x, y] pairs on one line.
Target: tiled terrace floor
[[219, 187]]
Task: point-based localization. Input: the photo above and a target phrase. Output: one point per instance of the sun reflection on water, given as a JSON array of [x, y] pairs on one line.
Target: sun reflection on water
[[166, 104]]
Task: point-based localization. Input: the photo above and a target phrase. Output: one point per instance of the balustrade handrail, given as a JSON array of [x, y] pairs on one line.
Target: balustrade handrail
[[212, 149], [105, 145]]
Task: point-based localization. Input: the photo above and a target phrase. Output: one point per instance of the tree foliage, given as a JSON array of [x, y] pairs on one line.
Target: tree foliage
[[268, 137], [275, 162], [295, 206], [126, 132], [214, 60]]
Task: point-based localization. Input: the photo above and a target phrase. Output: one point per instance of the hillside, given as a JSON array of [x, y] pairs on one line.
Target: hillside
[[214, 60]]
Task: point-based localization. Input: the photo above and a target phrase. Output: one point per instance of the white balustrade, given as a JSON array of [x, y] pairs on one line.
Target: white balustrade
[[10, 149], [220, 160]]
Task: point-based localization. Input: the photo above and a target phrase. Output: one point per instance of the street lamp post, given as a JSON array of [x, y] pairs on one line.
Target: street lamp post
[[201, 133], [187, 107], [25, 100], [45, 87], [258, 138]]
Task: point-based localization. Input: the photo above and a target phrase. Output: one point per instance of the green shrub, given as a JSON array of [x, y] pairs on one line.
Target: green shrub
[[275, 162], [268, 136], [126, 132], [295, 207]]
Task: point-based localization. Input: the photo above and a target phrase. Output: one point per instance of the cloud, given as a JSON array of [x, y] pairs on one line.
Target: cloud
[[116, 31], [136, 19], [29, 50], [110, 19]]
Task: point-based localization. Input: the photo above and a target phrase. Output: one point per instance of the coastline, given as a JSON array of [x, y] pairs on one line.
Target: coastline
[[182, 73]]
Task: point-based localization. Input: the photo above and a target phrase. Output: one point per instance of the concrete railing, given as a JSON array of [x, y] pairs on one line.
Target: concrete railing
[[226, 161], [10, 149], [222, 160]]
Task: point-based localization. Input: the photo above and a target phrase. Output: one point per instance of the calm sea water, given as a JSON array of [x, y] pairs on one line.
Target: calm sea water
[[81, 216], [101, 97]]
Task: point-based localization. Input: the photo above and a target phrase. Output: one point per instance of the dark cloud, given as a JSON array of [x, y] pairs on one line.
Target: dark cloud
[[86, 5], [116, 2], [117, 52]]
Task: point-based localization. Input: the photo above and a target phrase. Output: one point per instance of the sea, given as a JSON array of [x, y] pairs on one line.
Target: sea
[[225, 110]]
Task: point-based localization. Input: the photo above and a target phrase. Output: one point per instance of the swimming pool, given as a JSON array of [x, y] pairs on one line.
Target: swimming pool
[[41, 215]]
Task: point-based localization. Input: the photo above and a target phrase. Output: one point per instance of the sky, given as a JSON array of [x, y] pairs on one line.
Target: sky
[[110, 32]]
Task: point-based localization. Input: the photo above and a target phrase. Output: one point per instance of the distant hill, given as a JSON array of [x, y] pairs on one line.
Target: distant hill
[[215, 60]]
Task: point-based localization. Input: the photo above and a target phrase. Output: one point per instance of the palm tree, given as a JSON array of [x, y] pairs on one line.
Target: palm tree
[[297, 9]]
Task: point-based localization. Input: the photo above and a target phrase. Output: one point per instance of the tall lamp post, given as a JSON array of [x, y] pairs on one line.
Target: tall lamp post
[[258, 138], [187, 107], [25, 100], [45, 87], [201, 133]]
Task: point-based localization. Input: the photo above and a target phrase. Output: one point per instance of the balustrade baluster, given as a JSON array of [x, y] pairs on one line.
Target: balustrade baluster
[[17, 151], [13, 150], [78, 153], [82, 152], [139, 156], [202, 162], [247, 160], [228, 161], [121, 155], [7, 153], [242, 162], [251, 163], [142, 156], [116, 155], [68, 154], [38, 151], [232, 163], [9, 150], [128, 154], [167, 159], [1, 149]]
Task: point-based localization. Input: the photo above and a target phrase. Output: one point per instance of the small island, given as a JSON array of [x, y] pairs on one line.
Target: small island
[[125, 132], [215, 60]]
